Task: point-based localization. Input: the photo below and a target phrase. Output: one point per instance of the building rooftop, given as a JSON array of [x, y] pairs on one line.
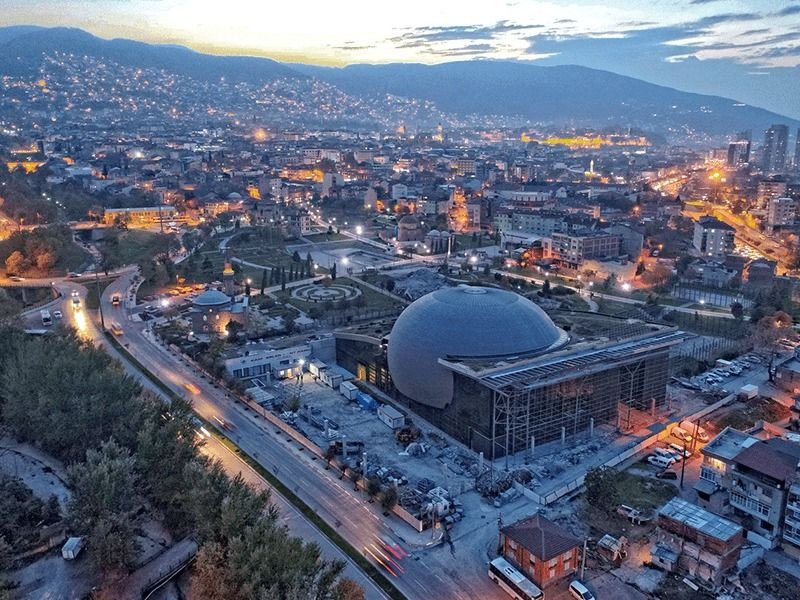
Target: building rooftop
[[700, 519], [554, 366], [728, 443], [769, 460], [211, 298], [543, 538]]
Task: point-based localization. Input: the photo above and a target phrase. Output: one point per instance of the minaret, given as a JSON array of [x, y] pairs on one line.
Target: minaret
[[227, 279]]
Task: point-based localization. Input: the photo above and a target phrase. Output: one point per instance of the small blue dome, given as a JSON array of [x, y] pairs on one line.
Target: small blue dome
[[211, 298]]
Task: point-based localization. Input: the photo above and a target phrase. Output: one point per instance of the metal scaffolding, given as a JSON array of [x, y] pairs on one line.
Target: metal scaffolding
[[615, 385]]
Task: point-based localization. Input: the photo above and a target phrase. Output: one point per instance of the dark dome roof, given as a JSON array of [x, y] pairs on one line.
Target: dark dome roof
[[463, 322], [211, 298]]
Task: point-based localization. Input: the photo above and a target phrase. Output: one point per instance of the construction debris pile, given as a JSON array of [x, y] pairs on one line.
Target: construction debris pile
[[418, 283]]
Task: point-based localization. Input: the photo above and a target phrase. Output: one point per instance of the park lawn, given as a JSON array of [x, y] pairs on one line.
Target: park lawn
[[374, 300], [644, 493], [572, 302], [73, 258], [465, 241], [716, 326], [135, 245]]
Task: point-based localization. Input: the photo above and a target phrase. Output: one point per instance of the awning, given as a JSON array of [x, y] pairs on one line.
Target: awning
[[704, 486]]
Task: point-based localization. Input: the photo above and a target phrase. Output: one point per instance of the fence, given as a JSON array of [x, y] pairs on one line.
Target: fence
[[577, 483]]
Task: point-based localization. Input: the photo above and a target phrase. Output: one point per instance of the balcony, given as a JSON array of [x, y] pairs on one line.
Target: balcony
[[750, 505]]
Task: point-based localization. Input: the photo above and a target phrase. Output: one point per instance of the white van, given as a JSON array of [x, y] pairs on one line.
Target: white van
[[659, 461], [579, 591], [665, 454], [682, 434]]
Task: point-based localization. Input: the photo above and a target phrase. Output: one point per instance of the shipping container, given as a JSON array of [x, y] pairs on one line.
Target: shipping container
[[348, 390], [391, 416]]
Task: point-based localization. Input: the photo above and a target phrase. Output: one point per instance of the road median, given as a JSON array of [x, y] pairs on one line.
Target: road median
[[366, 566]]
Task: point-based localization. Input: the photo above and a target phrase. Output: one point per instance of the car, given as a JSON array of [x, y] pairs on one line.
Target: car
[[682, 434], [665, 454], [659, 461], [17, 278], [76, 302], [679, 450], [579, 591], [115, 300], [667, 474], [58, 314]]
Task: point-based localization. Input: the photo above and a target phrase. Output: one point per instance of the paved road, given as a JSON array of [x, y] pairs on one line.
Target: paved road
[[297, 523], [427, 573]]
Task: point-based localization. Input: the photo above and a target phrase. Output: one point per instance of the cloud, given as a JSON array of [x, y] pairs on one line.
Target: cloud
[[794, 9]]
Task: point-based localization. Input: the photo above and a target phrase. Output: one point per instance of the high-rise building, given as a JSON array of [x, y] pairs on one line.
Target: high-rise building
[[797, 152], [776, 139], [781, 212], [713, 238], [739, 150]]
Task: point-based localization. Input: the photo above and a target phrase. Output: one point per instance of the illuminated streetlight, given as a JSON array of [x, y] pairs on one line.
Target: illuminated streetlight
[[626, 287], [359, 230]]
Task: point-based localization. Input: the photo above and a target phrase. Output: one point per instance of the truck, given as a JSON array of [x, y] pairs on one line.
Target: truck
[[748, 392], [47, 320]]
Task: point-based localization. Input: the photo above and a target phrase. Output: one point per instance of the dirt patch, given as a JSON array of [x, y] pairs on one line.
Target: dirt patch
[[744, 415], [764, 581]]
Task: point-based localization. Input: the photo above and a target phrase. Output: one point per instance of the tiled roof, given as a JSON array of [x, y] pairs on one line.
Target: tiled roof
[[764, 459], [542, 538]]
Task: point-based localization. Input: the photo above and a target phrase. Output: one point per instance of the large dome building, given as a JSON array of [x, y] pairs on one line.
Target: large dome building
[[491, 369], [463, 323]]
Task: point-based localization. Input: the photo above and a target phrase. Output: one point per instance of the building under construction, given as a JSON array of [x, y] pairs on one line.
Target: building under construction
[[491, 369]]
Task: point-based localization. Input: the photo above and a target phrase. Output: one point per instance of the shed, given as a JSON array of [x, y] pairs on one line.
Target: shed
[[72, 548], [391, 416], [348, 390]]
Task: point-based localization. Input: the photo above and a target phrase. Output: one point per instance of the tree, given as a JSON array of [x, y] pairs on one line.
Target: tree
[[294, 403], [333, 272], [601, 489], [212, 578], [330, 454], [347, 589], [103, 485], [390, 284], [16, 263], [373, 487], [389, 499], [296, 256], [283, 279], [112, 545], [737, 310], [246, 289], [767, 334], [263, 281], [233, 328], [546, 288], [640, 268]]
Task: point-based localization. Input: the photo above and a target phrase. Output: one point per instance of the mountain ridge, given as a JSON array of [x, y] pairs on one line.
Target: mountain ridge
[[562, 94]]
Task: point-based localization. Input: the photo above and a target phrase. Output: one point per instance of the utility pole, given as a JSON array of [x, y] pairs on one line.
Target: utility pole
[[583, 558], [683, 461], [99, 299]]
